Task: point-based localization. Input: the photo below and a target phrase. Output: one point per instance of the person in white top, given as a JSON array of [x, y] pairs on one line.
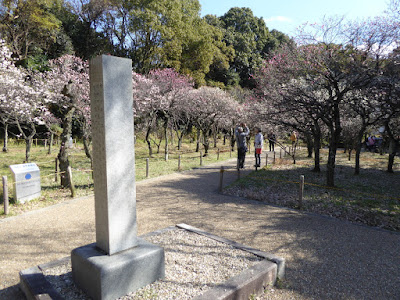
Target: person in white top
[[258, 144]]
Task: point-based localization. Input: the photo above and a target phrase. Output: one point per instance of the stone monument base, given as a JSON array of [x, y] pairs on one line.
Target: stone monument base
[[106, 277]]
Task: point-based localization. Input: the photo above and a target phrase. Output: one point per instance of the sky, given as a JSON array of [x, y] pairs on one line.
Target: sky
[[287, 15]]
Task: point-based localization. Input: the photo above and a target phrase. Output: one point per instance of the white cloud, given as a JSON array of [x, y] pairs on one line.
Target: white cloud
[[279, 19], [380, 49]]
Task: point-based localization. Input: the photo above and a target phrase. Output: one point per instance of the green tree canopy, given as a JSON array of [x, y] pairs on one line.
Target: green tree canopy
[[251, 40], [28, 26], [80, 24], [165, 33]]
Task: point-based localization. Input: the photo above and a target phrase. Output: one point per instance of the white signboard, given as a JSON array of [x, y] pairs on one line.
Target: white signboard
[[26, 183]]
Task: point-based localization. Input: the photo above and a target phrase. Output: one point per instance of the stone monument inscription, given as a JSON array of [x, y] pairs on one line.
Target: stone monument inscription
[[113, 154], [119, 262]]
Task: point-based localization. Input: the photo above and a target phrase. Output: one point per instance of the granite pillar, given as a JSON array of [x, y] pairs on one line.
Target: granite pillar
[[118, 263]]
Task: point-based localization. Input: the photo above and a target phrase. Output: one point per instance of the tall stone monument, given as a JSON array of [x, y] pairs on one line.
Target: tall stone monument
[[119, 262]]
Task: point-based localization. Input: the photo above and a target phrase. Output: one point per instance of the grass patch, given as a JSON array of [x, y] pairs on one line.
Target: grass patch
[[372, 198]]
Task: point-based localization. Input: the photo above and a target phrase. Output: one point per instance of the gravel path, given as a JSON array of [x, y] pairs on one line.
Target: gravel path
[[325, 258], [193, 264]]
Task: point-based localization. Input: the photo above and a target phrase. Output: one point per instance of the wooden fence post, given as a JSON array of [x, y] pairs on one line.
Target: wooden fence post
[[147, 167], [71, 183], [56, 168], [301, 191], [280, 152], [274, 157], [266, 159], [36, 142], [221, 178], [230, 150], [5, 194], [218, 154], [201, 158]]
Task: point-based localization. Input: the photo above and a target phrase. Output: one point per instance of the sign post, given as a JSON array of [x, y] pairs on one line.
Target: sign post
[[26, 182]]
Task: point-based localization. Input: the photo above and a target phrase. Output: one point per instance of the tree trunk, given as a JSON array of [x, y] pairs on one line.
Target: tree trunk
[[316, 132], [198, 140], [64, 149], [179, 136], [358, 149], [330, 175], [5, 142], [317, 147], [350, 151], [330, 178], [335, 129], [180, 142], [28, 143], [149, 142], [166, 140], [206, 142], [392, 154], [51, 142], [233, 139], [391, 163], [310, 145], [28, 138], [86, 147], [206, 146]]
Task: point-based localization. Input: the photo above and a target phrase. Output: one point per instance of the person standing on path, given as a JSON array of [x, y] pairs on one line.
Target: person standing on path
[[258, 144], [242, 132], [271, 140], [293, 139]]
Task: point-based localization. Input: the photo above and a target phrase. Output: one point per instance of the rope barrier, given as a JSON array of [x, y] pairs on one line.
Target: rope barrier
[[84, 171], [188, 158], [140, 168], [327, 187], [44, 162], [44, 176]]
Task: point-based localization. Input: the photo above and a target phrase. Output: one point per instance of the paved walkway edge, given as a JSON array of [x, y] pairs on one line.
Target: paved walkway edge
[[251, 281]]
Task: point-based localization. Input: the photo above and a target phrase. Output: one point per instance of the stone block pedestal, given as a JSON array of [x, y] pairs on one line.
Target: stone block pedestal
[[108, 277]]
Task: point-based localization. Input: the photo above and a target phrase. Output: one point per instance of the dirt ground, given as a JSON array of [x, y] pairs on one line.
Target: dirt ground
[[325, 258]]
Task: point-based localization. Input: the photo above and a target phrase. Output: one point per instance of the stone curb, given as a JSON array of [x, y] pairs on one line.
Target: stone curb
[[279, 261], [249, 282], [35, 286]]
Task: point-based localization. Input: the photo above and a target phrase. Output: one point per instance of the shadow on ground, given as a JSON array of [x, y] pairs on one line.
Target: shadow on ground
[[326, 258], [12, 293]]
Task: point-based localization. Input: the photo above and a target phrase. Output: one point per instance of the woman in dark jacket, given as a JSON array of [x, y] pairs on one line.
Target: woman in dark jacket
[[241, 133]]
